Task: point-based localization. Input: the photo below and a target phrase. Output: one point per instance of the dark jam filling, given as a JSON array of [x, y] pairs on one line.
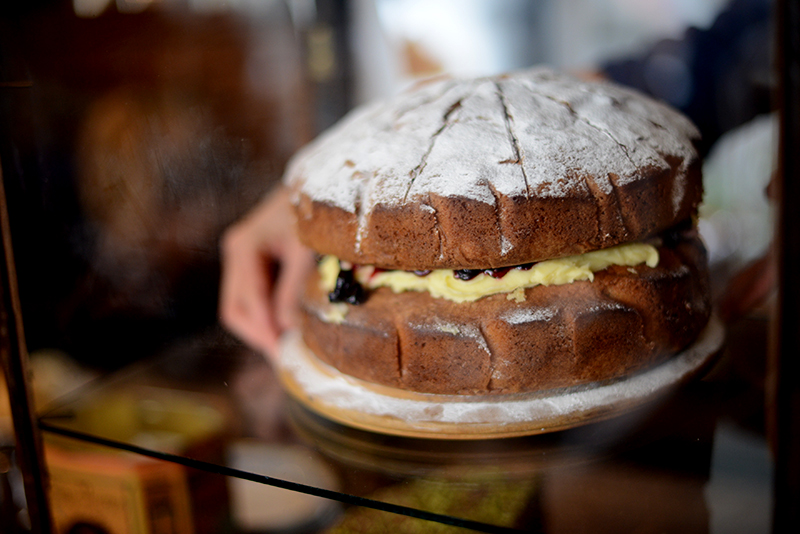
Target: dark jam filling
[[350, 291], [499, 272], [347, 289], [466, 274], [671, 237]]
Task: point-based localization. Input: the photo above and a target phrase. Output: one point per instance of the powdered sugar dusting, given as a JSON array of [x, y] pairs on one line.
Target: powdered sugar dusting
[[505, 245], [607, 306], [528, 315], [456, 329], [534, 132]]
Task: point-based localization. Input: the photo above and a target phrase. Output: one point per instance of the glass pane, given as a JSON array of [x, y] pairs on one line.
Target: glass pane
[[685, 463]]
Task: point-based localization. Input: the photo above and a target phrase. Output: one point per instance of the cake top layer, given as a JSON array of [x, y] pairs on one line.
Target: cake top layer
[[495, 171], [534, 133]]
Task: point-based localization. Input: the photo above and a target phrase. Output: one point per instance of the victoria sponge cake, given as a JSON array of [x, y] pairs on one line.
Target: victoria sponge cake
[[516, 233]]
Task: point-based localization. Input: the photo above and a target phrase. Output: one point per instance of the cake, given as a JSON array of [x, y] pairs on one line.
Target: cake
[[510, 234]]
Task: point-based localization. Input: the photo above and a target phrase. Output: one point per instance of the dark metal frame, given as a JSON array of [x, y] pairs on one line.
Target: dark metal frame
[[784, 405], [14, 358]]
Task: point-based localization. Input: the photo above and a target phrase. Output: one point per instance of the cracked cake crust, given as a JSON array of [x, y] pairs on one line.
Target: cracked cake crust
[[495, 172]]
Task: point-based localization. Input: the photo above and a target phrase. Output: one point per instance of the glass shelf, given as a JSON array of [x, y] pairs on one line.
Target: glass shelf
[[687, 463]]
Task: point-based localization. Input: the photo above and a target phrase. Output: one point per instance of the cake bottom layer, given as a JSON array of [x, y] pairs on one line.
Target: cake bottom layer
[[368, 406], [627, 319]]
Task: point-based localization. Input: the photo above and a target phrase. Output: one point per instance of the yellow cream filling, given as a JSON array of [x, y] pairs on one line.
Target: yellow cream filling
[[442, 283], [328, 273]]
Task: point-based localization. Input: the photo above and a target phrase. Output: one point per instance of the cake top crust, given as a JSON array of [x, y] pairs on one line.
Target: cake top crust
[[533, 135], [536, 132]]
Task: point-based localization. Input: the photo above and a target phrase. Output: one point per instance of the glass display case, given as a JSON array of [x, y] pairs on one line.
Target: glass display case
[[135, 132]]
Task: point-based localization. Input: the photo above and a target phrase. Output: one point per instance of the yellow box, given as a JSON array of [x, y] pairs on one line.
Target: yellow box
[[118, 493]]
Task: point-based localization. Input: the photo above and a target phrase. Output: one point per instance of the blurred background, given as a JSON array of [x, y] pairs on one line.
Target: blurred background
[[133, 132]]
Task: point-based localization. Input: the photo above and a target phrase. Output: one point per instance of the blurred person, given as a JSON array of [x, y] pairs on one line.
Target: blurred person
[[720, 77]]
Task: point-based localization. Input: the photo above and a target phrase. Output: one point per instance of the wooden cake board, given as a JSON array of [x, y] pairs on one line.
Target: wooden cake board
[[353, 402]]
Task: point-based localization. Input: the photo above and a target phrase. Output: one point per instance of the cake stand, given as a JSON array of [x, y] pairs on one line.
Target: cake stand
[[353, 402]]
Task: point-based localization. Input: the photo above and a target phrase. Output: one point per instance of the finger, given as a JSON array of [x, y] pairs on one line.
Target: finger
[[244, 293], [298, 263]]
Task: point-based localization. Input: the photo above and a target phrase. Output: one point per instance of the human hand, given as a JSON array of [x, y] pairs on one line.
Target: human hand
[[263, 268], [749, 288]]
